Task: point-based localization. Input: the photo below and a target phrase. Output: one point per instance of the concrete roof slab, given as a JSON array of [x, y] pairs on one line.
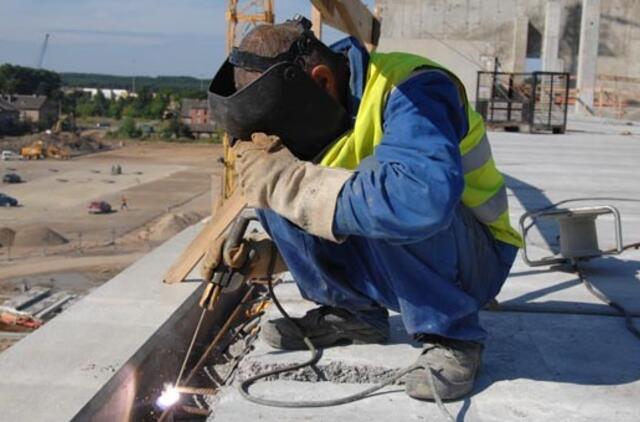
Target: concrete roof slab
[[543, 289], [536, 366]]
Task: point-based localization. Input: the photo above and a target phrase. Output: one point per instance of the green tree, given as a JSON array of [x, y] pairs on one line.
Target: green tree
[[28, 81], [101, 104], [129, 110], [170, 128], [115, 109], [85, 107], [129, 128], [157, 106]]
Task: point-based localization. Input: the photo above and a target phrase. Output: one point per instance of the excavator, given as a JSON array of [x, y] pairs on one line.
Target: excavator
[[38, 150], [64, 123], [35, 151], [42, 149]]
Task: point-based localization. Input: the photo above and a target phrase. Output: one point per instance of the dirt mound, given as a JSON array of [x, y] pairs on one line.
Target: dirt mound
[[169, 225], [6, 237], [76, 143], [38, 236]]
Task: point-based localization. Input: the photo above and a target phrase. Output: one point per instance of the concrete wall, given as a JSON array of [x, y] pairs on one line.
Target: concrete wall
[[107, 356], [480, 28]]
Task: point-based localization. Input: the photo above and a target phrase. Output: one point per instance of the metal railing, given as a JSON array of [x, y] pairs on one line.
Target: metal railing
[[535, 101]]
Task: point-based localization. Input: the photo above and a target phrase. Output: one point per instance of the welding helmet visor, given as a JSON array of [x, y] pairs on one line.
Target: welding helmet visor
[[284, 101]]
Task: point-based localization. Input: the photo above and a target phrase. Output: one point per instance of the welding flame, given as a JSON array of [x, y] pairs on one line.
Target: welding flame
[[170, 396]]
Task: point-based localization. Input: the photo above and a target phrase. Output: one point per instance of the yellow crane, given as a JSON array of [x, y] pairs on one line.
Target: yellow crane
[[241, 17], [349, 16]]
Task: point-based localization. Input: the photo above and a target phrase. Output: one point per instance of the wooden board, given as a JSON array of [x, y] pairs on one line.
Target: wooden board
[[190, 257], [351, 17], [316, 21]]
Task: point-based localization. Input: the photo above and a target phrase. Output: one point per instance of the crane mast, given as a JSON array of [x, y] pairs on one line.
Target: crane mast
[[43, 51], [241, 17]]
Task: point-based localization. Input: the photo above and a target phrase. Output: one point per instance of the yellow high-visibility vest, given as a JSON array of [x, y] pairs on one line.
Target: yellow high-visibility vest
[[484, 188]]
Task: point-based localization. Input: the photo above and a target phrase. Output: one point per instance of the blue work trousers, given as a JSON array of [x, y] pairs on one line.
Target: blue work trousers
[[438, 284]]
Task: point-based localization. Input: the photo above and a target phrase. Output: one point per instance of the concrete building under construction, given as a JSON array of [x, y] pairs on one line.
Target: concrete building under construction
[[524, 35]]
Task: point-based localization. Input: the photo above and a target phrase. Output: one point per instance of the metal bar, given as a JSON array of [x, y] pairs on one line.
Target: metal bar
[[617, 222], [212, 345], [44, 314], [196, 390], [566, 102], [192, 410], [28, 298], [510, 96], [550, 102], [533, 103], [220, 335]]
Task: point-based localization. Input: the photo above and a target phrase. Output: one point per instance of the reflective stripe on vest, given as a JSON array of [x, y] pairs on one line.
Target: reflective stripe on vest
[[484, 191], [491, 210], [478, 156]]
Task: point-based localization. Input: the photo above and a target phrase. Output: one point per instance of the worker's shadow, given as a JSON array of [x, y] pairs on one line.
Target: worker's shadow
[[533, 198], [578, 346]]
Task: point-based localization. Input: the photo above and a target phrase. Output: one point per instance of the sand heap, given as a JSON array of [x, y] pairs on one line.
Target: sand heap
[[169, 225], [32, 236], [6, 237]]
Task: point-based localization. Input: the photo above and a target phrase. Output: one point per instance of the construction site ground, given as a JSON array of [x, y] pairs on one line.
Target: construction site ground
[[167, 187], [554, 351]]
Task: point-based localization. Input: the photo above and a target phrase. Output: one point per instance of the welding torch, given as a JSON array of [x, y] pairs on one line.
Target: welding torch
[[231, 277]]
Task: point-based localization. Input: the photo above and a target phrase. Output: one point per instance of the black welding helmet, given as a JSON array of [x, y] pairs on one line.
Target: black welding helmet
[[284, 101]]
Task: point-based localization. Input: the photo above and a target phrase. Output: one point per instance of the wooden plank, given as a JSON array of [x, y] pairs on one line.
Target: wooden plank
[[316, 20], [351, 17], [190, 257], [618, 78]]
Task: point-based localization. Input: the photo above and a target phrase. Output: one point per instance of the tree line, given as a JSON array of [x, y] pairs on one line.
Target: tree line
[[28, 81], [153, 96], [182, 84]]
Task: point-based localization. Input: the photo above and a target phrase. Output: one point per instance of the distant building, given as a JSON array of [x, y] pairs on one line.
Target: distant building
[[110, 94], [195, 114], [9, 117], [36, 109]]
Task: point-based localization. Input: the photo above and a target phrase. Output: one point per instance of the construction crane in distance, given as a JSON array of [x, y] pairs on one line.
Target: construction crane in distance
[[43, 51], [241, 17]]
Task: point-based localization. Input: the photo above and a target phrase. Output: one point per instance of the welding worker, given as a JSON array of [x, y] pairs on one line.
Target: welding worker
[[374, 178]]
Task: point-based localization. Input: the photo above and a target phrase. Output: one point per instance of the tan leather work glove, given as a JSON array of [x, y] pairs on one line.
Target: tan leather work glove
[[212, 258], [264, 250], [265, 261], [303, 192]]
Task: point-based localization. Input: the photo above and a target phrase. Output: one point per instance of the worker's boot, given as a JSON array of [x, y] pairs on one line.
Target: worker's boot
[[325, 327], [454, 365]]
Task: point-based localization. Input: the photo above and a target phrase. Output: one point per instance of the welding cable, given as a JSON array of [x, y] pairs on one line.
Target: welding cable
[[628, 318], [315, 357]]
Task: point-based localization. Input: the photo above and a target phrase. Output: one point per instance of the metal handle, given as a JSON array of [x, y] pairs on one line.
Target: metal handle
[[598, 210]]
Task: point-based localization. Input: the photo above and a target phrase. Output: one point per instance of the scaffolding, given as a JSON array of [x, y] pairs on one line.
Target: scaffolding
[[241, 17], [537, 102]]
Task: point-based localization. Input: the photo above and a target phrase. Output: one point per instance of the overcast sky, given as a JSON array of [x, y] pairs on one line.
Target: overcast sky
[[123, 37]]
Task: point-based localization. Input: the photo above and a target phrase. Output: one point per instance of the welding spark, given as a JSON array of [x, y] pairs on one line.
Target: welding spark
[[169, 397]]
